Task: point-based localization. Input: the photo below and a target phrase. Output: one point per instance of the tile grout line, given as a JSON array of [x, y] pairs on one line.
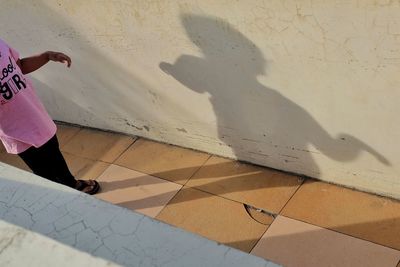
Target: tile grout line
[[258, 241], [99, 160], [278, 214], [225, 198], [338, 232], [332, 230], [182, 185], [297, 189], [140, 171], [126, 149], [136, 138], [204, 163], [209, 156], [70, 139], [271, 214], [233, 200]]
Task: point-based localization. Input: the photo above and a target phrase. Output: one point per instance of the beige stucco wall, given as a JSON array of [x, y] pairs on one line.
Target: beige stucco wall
[[310, 87]]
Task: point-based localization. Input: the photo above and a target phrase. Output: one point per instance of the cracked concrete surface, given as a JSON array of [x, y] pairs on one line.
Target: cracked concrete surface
[[102, 229], [20, 247]]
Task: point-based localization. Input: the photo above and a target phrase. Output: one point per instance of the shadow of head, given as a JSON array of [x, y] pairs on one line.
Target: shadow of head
[[226, 51]]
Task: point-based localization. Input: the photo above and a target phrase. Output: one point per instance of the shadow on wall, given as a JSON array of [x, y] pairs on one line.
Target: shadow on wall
[[254, 120], [258, 123]]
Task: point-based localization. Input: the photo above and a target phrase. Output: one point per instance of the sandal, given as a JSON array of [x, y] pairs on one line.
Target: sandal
[[90, 187]]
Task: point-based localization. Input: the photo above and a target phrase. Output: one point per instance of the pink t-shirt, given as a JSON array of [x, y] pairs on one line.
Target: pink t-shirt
[[24, 122]]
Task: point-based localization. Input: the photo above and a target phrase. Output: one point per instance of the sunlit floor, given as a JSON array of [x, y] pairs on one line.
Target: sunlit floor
[[281, 217]]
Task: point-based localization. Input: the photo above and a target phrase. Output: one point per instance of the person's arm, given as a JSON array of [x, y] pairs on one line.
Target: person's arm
[[30, 64]]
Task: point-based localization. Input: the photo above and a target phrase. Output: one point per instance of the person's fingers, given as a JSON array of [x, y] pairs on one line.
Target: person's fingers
[[68, 59], [60, 57], [69, 62], [64, 59]]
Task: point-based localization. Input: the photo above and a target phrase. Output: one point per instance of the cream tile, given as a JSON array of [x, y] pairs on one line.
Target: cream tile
[[259, 187], [97, 145], [165, 161], [293, 243], [136, 191], [14, 160], [213, 217], [347, 211], [83, 168], [65, 133]]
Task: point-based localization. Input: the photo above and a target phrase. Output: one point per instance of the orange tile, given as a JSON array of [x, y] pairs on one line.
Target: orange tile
[[14, 160], [259, 215], [259, 187], [293, 243], [347, 211], [83, 168], [164, 161], [97, 145], [213, 217], [65, 133], [136, 191]]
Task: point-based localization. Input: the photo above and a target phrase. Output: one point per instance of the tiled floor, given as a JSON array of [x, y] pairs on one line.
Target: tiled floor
[[257, 210]]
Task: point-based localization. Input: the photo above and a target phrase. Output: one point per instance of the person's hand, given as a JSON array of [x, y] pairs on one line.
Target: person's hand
[[59, 57]]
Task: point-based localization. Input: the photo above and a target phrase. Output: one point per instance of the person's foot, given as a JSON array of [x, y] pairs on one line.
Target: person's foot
[[90, 187]]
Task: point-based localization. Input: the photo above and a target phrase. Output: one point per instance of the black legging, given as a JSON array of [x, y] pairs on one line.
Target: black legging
[[48, 162]]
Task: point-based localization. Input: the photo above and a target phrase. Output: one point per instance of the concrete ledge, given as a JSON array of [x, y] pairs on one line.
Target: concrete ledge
[[102, 229], [21, 247]]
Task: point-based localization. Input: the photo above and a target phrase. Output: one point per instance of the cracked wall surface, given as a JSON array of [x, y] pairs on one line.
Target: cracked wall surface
[[101, 229], [306, 86]]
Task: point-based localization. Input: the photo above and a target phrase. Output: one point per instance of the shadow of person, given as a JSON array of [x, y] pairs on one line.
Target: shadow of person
[[258, 123]]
